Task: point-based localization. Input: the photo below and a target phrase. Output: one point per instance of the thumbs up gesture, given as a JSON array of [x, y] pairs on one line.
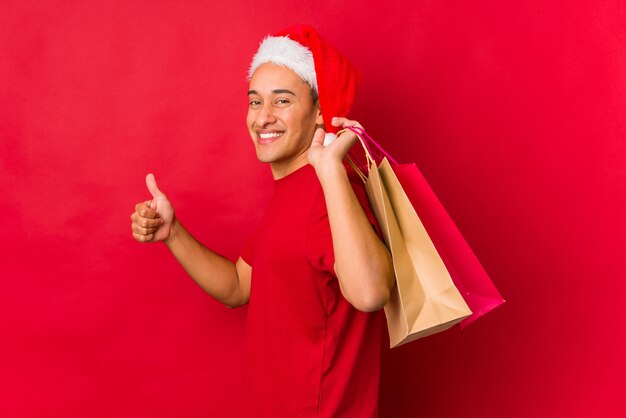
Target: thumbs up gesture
[[152, 220]]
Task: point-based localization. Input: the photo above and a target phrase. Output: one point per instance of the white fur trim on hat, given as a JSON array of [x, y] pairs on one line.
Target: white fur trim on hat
[[281, 50]]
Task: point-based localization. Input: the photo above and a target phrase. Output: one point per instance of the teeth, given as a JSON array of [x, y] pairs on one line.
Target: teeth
[[270, 135]]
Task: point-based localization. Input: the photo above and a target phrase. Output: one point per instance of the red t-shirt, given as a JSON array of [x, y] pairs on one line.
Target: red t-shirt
[[309, 352]]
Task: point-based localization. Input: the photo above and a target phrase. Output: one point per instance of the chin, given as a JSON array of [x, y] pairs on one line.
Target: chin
[[264, 160], [264, 157]]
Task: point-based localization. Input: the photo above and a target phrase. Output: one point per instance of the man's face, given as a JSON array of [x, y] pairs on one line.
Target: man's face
[[282, 118]]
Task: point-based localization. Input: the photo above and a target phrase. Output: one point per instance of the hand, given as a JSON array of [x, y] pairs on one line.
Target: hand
[[323, 158], [153, 219]]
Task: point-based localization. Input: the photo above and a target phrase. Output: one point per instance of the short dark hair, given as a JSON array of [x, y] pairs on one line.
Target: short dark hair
[[314, 95]]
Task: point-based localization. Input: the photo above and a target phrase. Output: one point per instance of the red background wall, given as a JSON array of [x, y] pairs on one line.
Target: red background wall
[[514, 113]]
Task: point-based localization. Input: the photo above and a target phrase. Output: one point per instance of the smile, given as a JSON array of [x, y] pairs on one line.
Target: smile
[[270, 135]]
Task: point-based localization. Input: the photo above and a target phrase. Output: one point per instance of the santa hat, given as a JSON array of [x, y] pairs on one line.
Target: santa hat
[[330, 74]]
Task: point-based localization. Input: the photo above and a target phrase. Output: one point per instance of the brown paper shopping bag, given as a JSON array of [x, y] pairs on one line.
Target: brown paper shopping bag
[[424, 300]]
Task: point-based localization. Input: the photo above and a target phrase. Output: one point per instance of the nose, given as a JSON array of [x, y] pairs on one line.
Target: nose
[[265, 116]]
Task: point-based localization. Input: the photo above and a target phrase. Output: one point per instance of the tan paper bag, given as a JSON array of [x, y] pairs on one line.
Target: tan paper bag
[[424, 300]]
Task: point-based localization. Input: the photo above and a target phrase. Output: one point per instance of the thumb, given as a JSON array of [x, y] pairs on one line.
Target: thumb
[[318, 138], [152, 186]]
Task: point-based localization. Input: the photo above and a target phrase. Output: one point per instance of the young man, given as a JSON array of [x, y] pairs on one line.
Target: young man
[[315, 273]]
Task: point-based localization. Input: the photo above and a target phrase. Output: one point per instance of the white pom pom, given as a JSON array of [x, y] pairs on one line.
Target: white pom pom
[[329, 138]]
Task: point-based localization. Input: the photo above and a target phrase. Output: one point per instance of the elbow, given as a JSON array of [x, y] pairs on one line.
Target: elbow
[[233, 305], [371, 301], [368, 290], [233, 302], [375, 295]]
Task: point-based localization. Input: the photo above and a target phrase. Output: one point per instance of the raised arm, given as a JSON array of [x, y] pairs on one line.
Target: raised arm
[[154, 220], [362, 262]]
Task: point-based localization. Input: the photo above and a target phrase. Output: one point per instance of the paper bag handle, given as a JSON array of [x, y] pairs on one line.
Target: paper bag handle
[[360, 131], [370, 161]]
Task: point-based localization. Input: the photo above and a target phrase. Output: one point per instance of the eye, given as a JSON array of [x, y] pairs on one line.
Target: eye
[[282, 101], [254, 102]]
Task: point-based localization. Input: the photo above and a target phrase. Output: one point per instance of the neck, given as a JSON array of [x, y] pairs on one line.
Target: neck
[[283, 169]]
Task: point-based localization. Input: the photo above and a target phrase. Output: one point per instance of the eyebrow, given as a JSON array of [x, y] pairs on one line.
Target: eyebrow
[[277, 91]]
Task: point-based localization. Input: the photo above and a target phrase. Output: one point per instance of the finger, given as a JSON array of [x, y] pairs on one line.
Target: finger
[[344, 122], [139, 206], [348, 138], [150, 223], [141, 230], [142, 238], [144, 211], [337, 121], [152, 186], [146, 222]]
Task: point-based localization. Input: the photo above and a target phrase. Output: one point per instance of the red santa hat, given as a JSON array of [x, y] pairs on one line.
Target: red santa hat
[[330, 74]]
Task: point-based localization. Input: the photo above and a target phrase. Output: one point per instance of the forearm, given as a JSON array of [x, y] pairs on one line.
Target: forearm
[[215, 274], [362, 262]]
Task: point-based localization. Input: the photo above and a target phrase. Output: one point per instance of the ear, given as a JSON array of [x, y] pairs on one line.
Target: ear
[[318, 117]]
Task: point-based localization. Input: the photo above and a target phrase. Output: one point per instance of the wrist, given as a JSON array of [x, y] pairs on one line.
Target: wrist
[[174, 231], [330, 171]]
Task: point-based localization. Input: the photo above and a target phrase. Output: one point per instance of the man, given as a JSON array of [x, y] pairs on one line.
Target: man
[[315, 273]]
